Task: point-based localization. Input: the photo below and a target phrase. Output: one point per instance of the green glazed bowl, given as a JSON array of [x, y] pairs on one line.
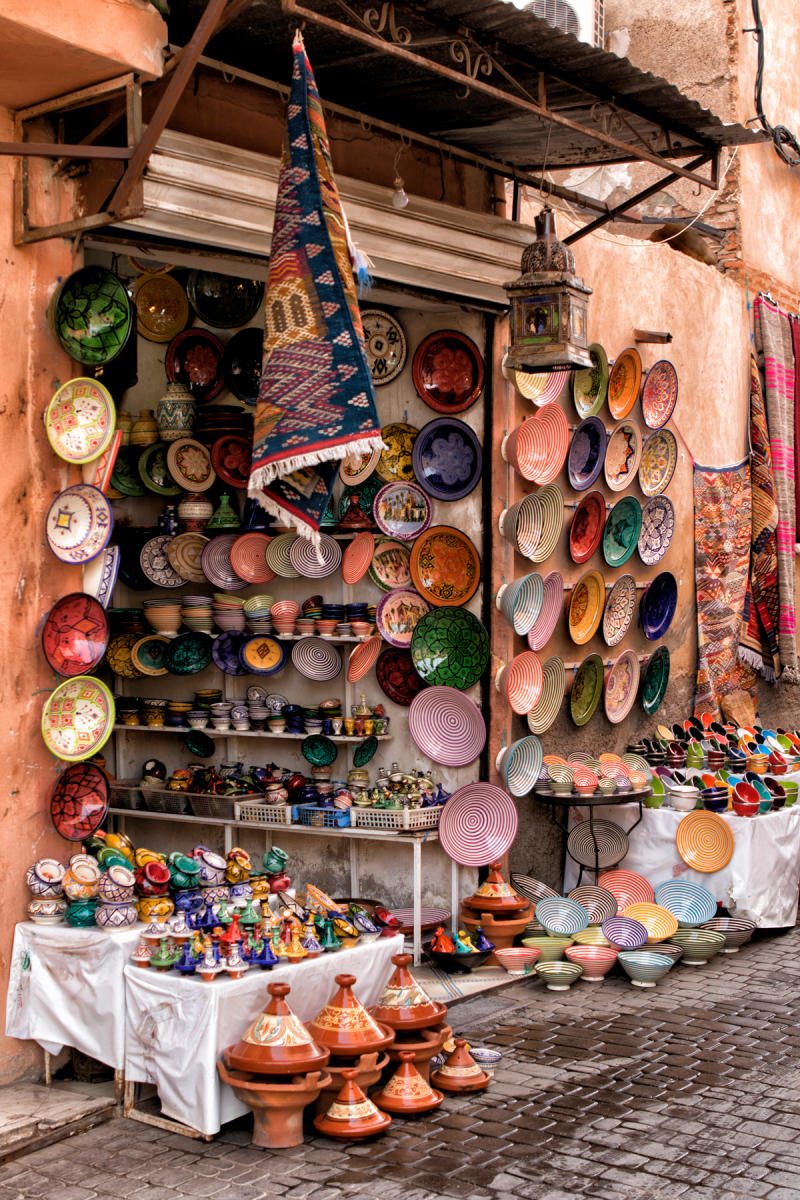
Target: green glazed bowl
[[109, 857], [551, 948], [791, 793]]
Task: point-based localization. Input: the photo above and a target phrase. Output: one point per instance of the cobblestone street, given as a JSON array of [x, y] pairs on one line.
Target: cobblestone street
[[691, 1089]]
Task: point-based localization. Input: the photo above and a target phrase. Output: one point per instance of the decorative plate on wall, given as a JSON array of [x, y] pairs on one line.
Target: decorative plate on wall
[[396, 676], [223, 300], [659, 459], [241, 364], [78, 523], [447, 458], [586, 527], [619, 610], [655, 678], [587, 453], [79, 801], [355, 470], [590, 387], [395, 462], [657, 606], [195, 359], [586, 607], [78, 718], [402, 510], [624, 383], [621, 533], [448, 371], [659, 394], [658, 526], [189, 463], [397, 615], [478, 824], [385, 343], [622, 684], [450, 646], [154, 471], [587, 689], [91, 316], [391, 564], [80, 420], [162, 307], [445, 566], [447, 726], [75, 634], [622, 456]]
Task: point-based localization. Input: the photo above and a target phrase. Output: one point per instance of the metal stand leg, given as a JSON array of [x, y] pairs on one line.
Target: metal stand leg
[[417, 893], [48, 1069], [455, 893]]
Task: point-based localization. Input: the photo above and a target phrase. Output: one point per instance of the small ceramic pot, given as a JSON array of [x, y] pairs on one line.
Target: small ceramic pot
[[80, 913], [115, 886], [212, 868], [115, 916], [81, 880], [46, 878], [175, 413], [162, 906], [45, 910], [213, 895]]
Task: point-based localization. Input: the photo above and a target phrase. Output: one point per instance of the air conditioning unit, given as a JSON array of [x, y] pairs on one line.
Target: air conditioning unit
[[582, 18]]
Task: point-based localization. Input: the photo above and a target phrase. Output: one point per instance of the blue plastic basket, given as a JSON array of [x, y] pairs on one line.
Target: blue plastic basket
[[324, 818]]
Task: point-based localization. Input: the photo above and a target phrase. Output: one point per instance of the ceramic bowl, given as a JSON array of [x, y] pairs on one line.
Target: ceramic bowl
[[116, 885], [596, 961], [644, 968], [454, 963], [518, 960], [551, 948], [699, 945], [764, 806], [486, 1058], [745, 808], [737, 931], [558, 976], [593, 936], [682, 798], [791, 790], [669, 951], [47, 910], [46, 878]]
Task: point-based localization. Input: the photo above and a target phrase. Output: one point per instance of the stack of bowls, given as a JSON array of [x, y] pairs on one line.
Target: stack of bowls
[[164, 616], [312, 607], [258, 714], [196, 614], [699, 945], [682, 797], [759, 763], [256, 613], [777, 791], [205, 697], [791, 792], [177, 713], [715, 799], [644, 967], [284, 614], [294, 718], [305, 626], [197, 718], [221, 714], [746, 800], [229, 613]]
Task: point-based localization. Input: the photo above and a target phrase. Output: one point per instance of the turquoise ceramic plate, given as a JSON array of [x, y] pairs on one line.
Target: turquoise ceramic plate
[[188, 654], [621, 534], [318, 750]]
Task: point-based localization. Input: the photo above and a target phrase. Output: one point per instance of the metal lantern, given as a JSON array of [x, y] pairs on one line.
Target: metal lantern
[[548, 306]]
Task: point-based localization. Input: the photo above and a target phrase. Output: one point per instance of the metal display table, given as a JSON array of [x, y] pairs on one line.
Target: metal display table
[[568, 800]]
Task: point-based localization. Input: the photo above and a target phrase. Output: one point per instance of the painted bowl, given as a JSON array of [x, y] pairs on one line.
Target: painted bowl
[[455, 963], [561, 916], [486, 1058], [596, 961], [559, 976], [518, 960], [791, 790], [551, 949], [624, 933], [737, 931], [699, 945], [592, 936], [764, 806], [643, 967], [670, 951], [745, 808]]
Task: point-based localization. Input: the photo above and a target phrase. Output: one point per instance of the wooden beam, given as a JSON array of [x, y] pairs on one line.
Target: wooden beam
[[61, 150]]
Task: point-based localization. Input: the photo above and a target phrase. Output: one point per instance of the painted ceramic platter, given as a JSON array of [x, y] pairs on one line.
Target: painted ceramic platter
[[659, 394], [190, 465], [119, 655], [78, 523], [365, 751], [195, 359], [264, 655], [277, 554], [318, 750], [79, 801], [80, 420], [188, 653], [659, 459], [445, 566], [624, 383], [225, 653], [154, 472], [216, 563], [223, 300], [402, 510], [552, 609], [366, 491], [149, 654], [622, 530], [241, 364], [657, 606], [478, 824], [385, 343], [396, 676], [540, 387], [355, 470], [590, 387], [586, 607], [391, 564], [548, 706], [622, 685], [357, 558], [619, 610], [622, 456], [155, 564], [92, 316], [586, 527], [655, 678], [450, 646], [587, 689], [448, 371], [627, 887], [395, 462], [587, 453], [316, 659], [185, 554], [125, 475], [231, 457], [162, 307], [75, 634], [704, 841], [447, 458], [314, 563], [397, 615], [363, 658], [78, 718], [658, 526], [100, 575]]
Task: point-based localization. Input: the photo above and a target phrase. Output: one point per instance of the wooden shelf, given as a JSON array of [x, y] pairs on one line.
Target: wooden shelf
[[259, 733]]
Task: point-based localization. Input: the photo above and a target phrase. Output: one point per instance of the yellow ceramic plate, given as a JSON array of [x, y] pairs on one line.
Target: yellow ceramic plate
[[162, 307], [394, 464], [586, 607], [624, 383]]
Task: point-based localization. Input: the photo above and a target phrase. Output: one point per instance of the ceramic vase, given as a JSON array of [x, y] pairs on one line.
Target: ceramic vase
[[115, 916], [175, 413], [194, 513], [144, 431]]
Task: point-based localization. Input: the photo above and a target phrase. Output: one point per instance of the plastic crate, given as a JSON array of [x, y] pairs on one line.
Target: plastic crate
[[217, 807], [162, 800], [405, 819], [249, 812], [324, 818], [125, 793]]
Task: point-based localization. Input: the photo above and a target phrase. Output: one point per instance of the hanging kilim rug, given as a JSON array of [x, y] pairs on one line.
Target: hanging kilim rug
[[722, 521], [775, 356], [758, 641], [316, 402]]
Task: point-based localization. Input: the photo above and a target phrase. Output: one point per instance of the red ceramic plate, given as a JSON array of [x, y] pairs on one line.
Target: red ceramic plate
[[194, 358], [248, 557], [230, 457], [395, 673], [445, 566], [586, 529], [448, 371], [79, 801], [75, 634]]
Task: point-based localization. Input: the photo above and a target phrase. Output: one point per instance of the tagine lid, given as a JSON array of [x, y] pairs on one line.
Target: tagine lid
[[352, 1115], [345, 1027], [403, 1004], [495, 895], [277, 1042], [407, 1091], [460, 1072]]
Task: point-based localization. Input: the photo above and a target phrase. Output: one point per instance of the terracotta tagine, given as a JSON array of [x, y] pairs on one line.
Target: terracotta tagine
[[423, 1045], [277, 1043], [352, 1116], [368, 1067], [403, 1003], [407, 1092], [345, 1027], [277, 1105], [460, 1073], [501, 929], [495, 895]]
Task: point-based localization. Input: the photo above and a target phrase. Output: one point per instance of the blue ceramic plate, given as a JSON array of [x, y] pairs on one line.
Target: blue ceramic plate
[[587, 453], [447, 458], [657, 606], [225, 653]]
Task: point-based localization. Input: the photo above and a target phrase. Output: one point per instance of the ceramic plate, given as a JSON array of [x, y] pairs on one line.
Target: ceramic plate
[[216, 563], [119, 655], [445, 566], [312, 562], [319, 751], [622, 684], [188, 653], [80, 420], [75, 634], [162, 309], [587, 690], [397, 615], [659, 459], [478, 825], [355, 470], [396, 676], [402, 510], [78, 718], [385, 343], [622, 530], [363, 658], [622, 456], [185, 553], [225, 653], [79, 801], [357, 558], [659, 394], [552, 610], [278, 555], [658, 526], [92, 316], [447, 458], [125, 475], [540, 387], [154, 472], [448, 371], [657, 606], [366, 491], [155, 563], [189, 463], [315, 658], [446, 726], [194, 358], [149, 654], [586, 607], [590, 387], [655, 678], [395, 462], [264, 655], [619, 610], [230, 458], [586, 527], [610, 839], [78, 523], [450, 646], [223, 300], [365, 751], [587, 453], [241, 364], [624, 382], [391, 564], [100, 576], [548, 706]]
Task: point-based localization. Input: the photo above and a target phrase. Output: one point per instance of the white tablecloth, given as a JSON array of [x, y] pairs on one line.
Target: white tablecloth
[[177, 1027], [66, 988], [760, 882]]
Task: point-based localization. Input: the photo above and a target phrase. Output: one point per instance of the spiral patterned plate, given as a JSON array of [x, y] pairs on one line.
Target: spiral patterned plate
[[277, 555], [357, 558], [552, 418], [363, 658], [552, 608], [690, 903], [658, 526], [659, 394], [625, 933], [530, 888], [478, 824], [704, 841], [659, 922], [313, 563], [619, 610], [547, 707], [216, 563], [249, 557], [448, 727], [551, 502], [627, 887], [316, 659], [612, 845], [541, 387], [521, 681], [599, 904], [519, 765], [561, 916]]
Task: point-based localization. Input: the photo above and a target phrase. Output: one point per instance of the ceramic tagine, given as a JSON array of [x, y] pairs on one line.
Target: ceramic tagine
[[495, 895], [407, 1092], [277, 1043], [460, 1072], [345, 1027], [352, 1116], [403, 1003]]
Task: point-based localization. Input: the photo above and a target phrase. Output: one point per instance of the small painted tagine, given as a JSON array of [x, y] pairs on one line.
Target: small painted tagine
[[345, 1027], [407, 1092], [403, 1003], [352, 1116], [277, 1043], [460, 1072], [495, 895]]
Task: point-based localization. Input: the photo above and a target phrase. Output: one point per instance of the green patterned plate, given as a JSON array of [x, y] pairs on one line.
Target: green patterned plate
[[586, 690], [188, 654], [621, 534], [154, 472], [590, 387], [449, 646], [92, 316], [365, 751], [125, 476], [367, 491], [319, 751], [655, 677], [199, 744]]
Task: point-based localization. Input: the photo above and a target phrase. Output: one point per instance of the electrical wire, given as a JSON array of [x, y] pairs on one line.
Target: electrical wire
[[781, 136]]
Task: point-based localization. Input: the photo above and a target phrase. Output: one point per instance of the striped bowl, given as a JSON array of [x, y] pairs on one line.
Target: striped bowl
[[592, 935], [699, 945], [659, 922], [559, 976], [519, 765], [644, 968], [599, 904], [561, 916], [596, 961], [518, 960], [690, 903], [551, 949], [624, 933], [737, 932]]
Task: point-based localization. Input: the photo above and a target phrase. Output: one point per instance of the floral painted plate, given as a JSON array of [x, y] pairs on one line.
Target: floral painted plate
[[230, 458], [448, 371], [658, 526], [385, 343], [78, 523], [79, 801], [659, 394], [154, 471], [402, 510], [622, 684], [590, 387], [190, 465], [659, 459], [154, 561], [619, 610], [149, 654], [78, 718], [119, 655], [447, 458], [365, 751], [162, 308], [586, 527], [195, 359], [622, 456], [80, 420], [586, 607], [185, 554], [223, 300], [622, 530], [657, 606], [624, 383], [397, 615], [587, 690], [355, 470], [75, 634], [396, 676], [395, 462], [188, 653], [92, 316], [391, 564], [445, 566], [587, 453], [242, 364], [655, 678], [450, 647]]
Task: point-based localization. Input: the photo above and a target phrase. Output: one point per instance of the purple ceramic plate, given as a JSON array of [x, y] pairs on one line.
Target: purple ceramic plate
[[397, 615], [225, 653], [447, 458], [587, 453], [216, 563], [657, 606]]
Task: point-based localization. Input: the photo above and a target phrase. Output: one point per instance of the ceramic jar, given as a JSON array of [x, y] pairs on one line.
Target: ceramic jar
[[241, 893], [115, 916], [45, 910], [212, 868], [175, 413], [115, 886], [152, 879], [80, 913], [124, 425], [192, 900], [46, 878], [145, 429], [161, 906], [81, 879], [194, 513]]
